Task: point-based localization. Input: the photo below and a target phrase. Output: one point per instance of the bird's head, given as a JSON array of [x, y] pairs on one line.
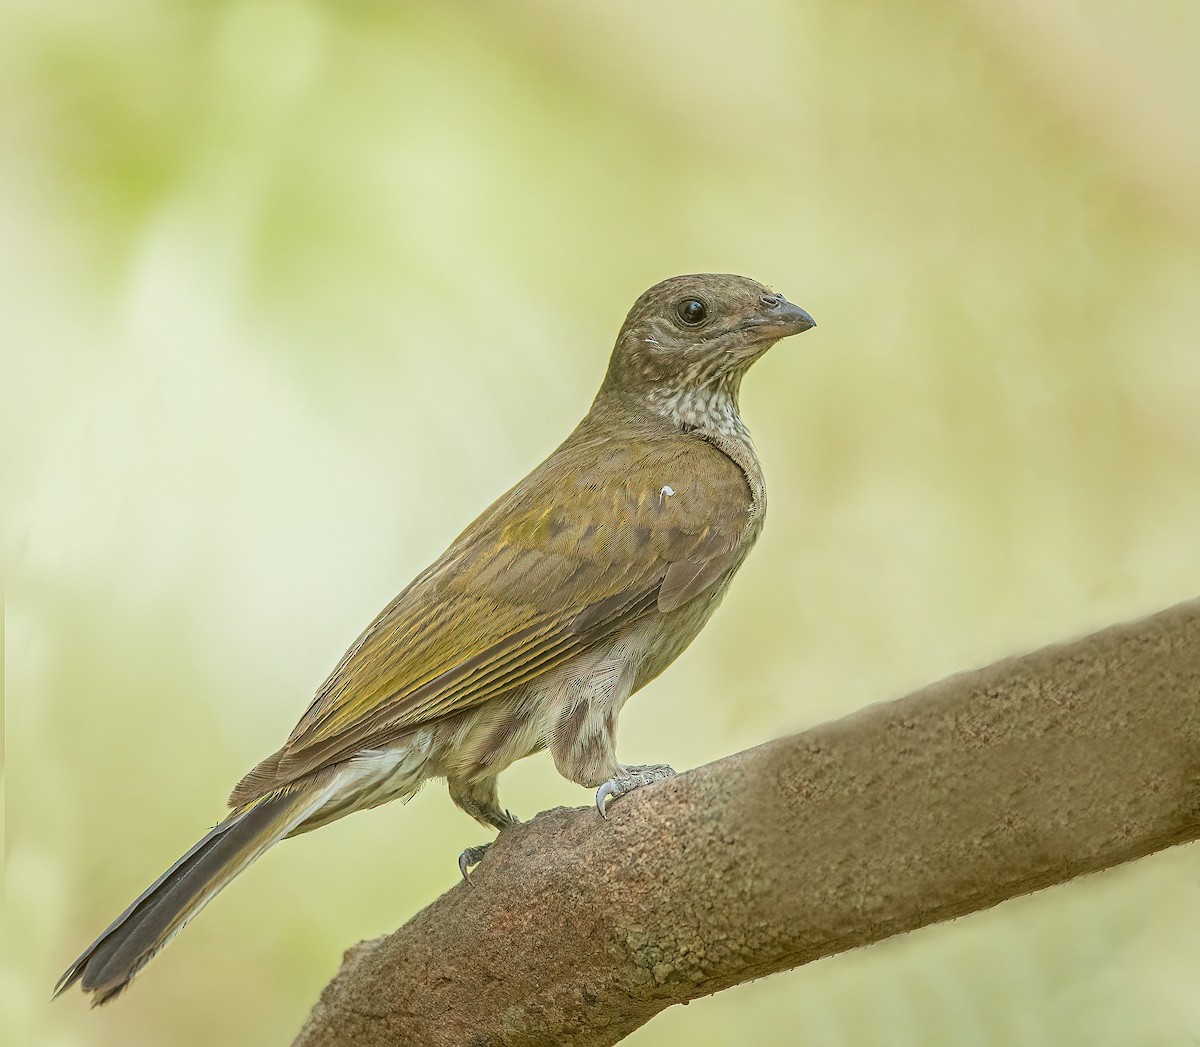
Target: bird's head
[[687, 342]]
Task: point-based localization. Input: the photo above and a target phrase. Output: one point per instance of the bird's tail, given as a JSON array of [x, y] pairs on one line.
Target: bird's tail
[[161, 911]]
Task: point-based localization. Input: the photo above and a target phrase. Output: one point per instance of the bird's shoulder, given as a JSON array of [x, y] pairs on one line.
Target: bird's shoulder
[[616, 497]]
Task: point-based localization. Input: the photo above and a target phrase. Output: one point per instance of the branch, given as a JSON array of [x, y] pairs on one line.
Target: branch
[[983, 786]]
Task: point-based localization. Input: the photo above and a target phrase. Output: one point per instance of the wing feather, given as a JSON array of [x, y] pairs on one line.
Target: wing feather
[[587, 543]]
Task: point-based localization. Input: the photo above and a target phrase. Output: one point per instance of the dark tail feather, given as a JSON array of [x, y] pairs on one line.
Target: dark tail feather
[[162, 910]]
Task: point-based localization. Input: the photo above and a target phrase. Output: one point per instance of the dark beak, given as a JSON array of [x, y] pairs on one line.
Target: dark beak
[[777, 318], [790, 317]]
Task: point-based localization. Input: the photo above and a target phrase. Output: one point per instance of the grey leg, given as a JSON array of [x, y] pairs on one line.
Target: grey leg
[[628, 779], [470, 858], [478, 798]]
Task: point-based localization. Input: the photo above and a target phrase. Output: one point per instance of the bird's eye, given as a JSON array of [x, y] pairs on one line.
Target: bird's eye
[[691, 311]]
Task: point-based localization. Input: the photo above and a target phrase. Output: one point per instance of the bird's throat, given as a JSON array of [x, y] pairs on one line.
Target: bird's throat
[[710, 406]]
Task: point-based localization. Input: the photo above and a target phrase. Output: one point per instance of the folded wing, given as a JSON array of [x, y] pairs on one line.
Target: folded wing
[[562, 560]]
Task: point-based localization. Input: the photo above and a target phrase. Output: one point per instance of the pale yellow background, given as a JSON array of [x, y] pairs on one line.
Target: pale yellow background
[[292, 290]]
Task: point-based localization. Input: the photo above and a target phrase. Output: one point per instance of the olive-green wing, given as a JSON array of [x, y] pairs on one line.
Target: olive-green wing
[[591, 540]]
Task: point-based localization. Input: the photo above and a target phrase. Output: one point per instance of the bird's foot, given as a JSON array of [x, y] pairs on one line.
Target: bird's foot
[[631, 778], [470, 858]]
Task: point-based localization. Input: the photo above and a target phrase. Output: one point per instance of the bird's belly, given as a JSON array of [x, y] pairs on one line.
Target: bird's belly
[[585, 692], [484, 741], [668, 637]]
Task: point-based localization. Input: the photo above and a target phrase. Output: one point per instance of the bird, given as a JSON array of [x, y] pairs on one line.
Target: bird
[[572, 591]]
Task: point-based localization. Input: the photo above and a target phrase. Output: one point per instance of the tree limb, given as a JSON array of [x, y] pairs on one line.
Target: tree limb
[[975, 789]]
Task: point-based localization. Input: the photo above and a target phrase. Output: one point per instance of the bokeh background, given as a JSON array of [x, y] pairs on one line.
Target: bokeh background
[[293, 289]]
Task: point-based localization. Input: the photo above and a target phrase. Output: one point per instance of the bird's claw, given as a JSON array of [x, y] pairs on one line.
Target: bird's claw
[[469, 858], [633, 778], [608, 789]]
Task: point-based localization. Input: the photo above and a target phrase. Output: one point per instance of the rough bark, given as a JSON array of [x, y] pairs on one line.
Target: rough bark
[[983, 786]]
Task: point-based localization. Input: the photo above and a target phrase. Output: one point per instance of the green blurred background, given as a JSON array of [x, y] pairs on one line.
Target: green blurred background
[[292, 290]]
